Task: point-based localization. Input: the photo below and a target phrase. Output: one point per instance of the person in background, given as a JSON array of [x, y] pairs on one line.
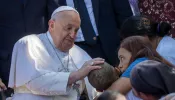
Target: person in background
[[155, 32], [159, 11], [132, 51], [17, 19], [152, 80], [100, 24]]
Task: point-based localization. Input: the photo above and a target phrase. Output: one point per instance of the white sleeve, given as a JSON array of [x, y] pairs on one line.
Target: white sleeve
[[51, 83]]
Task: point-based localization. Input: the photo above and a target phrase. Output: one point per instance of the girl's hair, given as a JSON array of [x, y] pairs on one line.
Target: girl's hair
[[142, 25], [139, 47]]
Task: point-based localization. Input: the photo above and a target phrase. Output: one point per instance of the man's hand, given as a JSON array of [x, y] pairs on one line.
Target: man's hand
[[89, 66], [2, 86], [85, 69]]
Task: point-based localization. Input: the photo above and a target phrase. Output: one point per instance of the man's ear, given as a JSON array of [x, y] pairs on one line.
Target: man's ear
[[51, 25]]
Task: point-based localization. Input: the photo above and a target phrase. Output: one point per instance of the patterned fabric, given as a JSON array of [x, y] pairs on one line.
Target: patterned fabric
[[159, 10]]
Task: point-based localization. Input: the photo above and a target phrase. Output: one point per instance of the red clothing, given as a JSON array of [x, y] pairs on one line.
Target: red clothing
[[159, 10]]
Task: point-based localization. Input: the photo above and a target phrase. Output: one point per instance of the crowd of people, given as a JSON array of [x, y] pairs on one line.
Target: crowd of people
[[87, 50]]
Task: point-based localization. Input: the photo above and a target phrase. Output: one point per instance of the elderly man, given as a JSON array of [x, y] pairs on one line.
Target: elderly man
[[49, 66]]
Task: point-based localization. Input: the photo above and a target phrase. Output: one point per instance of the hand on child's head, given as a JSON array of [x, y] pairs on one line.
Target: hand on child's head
[[100, 80]]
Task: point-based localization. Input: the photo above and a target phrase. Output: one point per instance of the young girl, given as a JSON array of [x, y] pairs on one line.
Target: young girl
[[132, 51]]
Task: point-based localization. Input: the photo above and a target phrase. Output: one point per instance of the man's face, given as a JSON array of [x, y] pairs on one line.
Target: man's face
[[65, 30]]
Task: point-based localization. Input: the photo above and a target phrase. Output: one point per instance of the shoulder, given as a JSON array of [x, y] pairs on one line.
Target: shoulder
[[76, 50], [167, 41], [166, 46], [79, 56], [24, 41]]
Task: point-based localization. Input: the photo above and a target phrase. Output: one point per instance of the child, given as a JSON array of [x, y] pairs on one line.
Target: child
[[103, 78]]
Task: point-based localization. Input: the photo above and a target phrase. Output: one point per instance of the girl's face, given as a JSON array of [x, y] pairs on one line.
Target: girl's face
[[124, 57]]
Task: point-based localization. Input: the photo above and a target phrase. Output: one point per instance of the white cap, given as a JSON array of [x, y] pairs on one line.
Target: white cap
[[63, 8]]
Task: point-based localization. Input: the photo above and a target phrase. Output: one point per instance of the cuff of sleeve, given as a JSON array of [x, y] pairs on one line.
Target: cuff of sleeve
[[64, 78]]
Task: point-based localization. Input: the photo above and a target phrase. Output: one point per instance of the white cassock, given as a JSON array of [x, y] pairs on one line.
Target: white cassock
[[37, 71]]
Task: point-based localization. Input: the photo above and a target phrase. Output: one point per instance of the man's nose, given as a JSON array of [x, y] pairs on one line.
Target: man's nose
[[73, 34]]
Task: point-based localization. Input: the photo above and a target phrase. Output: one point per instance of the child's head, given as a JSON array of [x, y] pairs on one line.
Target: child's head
[[110, 95], [103, 78]]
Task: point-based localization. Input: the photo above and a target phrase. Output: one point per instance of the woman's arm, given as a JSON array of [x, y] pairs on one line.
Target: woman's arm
[[122, 85]]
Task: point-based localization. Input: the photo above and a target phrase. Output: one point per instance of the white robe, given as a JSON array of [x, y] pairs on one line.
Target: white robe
[[37, 74]]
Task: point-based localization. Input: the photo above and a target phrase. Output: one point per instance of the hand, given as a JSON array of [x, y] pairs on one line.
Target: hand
[[85, 69], [93, 62], [89, 66], [2, 86]]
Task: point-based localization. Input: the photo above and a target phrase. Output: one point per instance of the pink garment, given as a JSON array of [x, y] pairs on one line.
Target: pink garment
[[159, 10]]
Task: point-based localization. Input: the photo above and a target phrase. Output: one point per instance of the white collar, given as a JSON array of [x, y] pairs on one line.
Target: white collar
[[52, 43], [50, 38]]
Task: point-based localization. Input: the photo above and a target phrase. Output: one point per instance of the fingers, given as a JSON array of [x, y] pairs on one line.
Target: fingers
[[94, 67], [92, 64], [98, 62], [2, 86], [94, 61], [98, 59]]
